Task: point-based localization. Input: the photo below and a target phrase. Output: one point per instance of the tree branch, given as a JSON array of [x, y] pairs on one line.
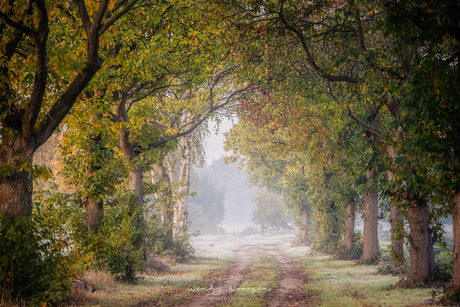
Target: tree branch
[[40, 39], [310, 59], [117, 16], [86, 21], [201, 120], [346, 110], [18, 26]]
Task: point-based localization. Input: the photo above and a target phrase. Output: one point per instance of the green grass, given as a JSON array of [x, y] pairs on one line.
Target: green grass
[[261, 279], [346, 283]]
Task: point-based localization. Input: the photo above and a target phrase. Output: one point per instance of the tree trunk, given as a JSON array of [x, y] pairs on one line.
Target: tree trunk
[[397, 242], [456, 221], [134, 185], [94, 207], [396, 221], [16, 177], [303, 229], [370, 237], [166, 205], [347, 243], [180, 209], [94, 214], [456, 231], [16, 194], [422, 264]]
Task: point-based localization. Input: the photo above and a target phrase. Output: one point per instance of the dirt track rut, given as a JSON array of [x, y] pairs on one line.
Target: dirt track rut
[[221, 290], [288, 293]]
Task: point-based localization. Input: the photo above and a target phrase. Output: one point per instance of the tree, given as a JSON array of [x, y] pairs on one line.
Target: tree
[[364, 63], [206, 207], [270, 211], [38, 87], [180, 208]]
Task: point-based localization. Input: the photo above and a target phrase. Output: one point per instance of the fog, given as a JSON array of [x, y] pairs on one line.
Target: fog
[[238, 194], [225, 198]]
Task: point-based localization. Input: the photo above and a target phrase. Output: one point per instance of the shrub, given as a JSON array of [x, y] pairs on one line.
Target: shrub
[[444, 261], [387, 267], [355, 253], [158, 242], [113, 248], [33, 266]]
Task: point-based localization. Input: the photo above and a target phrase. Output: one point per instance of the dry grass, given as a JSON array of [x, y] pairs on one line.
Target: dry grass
[[168, 286], [8, 302], [100, 280]]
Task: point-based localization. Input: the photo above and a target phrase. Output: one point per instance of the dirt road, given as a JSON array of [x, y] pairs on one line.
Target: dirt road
[[290, 281]]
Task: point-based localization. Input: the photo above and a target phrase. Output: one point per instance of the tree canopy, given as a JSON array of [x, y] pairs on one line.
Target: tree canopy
[[344, 108]]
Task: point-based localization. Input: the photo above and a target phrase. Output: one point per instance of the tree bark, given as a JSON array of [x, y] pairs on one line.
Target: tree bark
[[16, 194], [396, 221], [16, 154], [180, 209], [135, 185], [347, 243], [94, 206], [303, 229], [167, 210], [456, 220], [94, 214], [397, 243], [456, 231], [370, 237], [422, 263]]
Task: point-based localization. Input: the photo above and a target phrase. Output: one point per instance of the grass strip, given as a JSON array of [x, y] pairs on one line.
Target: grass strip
[[346, 283], [166, 289], [261, 279]]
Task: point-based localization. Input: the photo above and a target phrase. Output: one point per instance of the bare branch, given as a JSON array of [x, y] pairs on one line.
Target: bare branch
[[362, 124]]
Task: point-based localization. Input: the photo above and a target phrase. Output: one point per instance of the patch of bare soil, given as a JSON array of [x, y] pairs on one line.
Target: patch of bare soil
[[291, 281]]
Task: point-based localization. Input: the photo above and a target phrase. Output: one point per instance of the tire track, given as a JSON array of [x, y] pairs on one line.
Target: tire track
[[291, 281], [223, 288]]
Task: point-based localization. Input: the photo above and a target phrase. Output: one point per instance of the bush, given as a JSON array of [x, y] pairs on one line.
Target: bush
[[113, 248], [355, 253], [158, 242], [387, 267], [33, 266], [444, 261]]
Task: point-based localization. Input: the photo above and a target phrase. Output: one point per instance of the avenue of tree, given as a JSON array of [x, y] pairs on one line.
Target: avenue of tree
[[344, 108]]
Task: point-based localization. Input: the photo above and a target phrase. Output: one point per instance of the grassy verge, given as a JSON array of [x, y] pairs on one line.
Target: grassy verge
[[261, 279], [165, 289], [345, 283]]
